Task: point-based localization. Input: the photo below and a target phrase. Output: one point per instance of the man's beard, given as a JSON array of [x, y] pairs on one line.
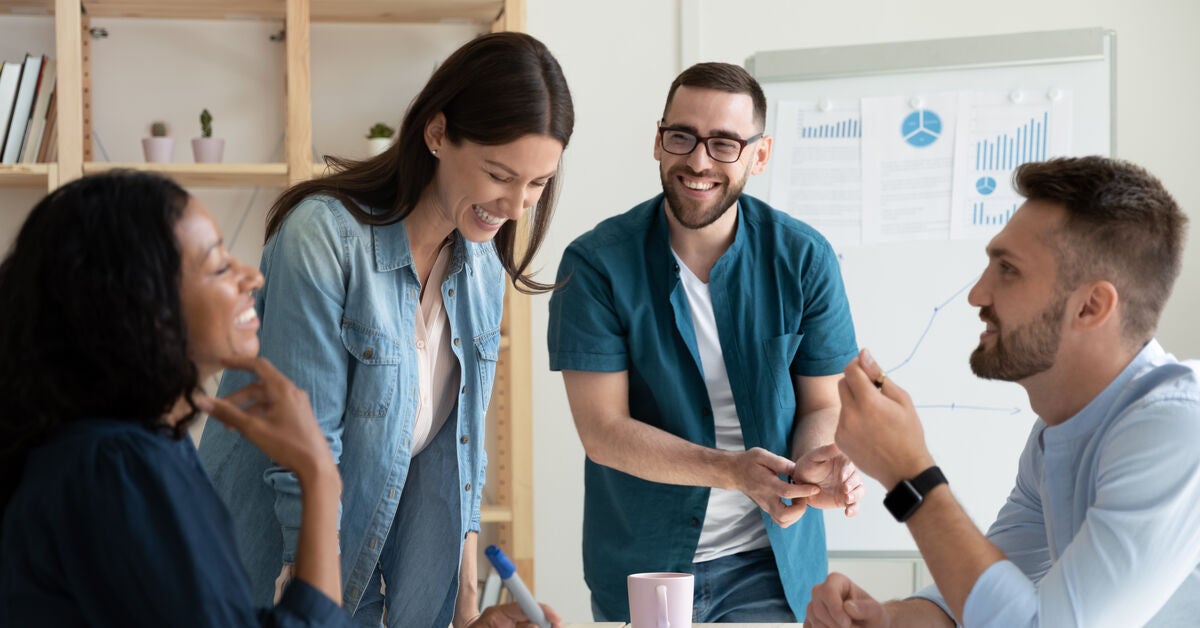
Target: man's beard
[[1027, 350], [687, 211]]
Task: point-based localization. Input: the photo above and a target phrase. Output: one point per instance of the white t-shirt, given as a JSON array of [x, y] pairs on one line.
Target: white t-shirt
[[732, 523]]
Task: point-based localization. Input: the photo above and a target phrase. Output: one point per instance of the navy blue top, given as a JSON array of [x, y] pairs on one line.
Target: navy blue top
[[780, 310], [115, 524]]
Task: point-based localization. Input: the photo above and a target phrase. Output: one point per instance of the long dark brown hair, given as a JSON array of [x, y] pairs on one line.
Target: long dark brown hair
[[493, 90]]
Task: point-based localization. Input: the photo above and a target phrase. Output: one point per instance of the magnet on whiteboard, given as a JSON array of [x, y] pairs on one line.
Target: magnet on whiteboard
[[1055, 94], [1016, 96], [825, 105], [916, 102]]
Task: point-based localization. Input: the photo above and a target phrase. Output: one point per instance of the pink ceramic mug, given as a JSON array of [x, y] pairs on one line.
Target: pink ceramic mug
[[660, 600]]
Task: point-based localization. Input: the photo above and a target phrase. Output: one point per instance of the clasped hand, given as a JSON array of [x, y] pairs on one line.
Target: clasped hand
[[823, 478]]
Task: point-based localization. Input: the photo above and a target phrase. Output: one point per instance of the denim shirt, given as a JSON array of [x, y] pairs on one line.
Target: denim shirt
[[781, 311], [337, 312]]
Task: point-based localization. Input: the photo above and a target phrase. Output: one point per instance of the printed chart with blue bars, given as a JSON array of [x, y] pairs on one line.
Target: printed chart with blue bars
[[1006, 151], [998, 140], [841, 129]]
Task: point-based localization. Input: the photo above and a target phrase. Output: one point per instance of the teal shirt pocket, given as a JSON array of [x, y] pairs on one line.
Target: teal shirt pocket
[[779, 352]]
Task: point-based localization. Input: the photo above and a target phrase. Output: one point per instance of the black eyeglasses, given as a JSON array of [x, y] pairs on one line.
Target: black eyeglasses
[[723, 149]]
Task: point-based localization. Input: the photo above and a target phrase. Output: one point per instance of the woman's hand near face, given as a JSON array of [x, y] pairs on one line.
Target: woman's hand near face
[[276, 416]]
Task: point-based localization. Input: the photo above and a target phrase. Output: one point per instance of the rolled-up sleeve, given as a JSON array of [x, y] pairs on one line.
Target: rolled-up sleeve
[[585, 332]]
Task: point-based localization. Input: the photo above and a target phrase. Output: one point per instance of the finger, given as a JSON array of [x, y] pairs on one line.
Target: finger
[[247, 395], [869, 366], [229, 414], [787, 515], [859, 382], [800, 491], [777, 464]]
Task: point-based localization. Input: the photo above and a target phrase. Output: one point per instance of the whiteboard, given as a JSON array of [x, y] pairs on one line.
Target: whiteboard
[[909, 298]]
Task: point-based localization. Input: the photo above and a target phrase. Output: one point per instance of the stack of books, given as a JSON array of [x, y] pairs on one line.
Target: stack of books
[[28, 133]]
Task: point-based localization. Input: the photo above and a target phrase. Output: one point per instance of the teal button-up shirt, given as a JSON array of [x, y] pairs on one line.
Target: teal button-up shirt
[[780, 310]]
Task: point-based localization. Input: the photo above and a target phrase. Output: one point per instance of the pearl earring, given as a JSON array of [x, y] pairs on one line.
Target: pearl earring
[[433, 151]]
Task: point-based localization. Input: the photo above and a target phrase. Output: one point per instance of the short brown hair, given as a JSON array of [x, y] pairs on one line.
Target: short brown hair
[[1122, 226], [723, 77]]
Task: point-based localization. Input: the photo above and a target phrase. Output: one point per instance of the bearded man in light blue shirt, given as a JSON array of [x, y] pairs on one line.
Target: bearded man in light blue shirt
[[1103, 525]]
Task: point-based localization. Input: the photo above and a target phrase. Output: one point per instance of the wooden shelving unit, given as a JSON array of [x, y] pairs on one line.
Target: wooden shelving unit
[[510, 415]]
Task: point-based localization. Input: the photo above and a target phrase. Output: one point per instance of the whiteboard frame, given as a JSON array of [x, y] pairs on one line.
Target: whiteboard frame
[[943, 55]]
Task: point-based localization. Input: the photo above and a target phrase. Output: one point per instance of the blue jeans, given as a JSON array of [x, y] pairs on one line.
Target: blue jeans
[[739, 588]]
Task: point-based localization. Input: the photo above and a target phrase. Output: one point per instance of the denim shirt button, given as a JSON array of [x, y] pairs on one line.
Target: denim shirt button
[[367, 353], [465, 439], [450, 292], [374, 542], [456, 342], [464, 390], [467, 487]]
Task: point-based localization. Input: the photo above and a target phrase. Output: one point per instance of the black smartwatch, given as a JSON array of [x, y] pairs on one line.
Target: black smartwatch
[[904, 500]]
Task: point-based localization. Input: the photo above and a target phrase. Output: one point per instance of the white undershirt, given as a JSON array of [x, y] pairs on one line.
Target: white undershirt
[[732, 523], [437, 366]]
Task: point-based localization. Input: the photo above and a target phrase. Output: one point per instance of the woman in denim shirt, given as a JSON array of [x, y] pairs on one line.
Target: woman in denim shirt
[[383, 297], [118, 301]]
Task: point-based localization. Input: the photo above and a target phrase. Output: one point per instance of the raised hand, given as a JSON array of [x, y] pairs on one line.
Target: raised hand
[[275, 415]]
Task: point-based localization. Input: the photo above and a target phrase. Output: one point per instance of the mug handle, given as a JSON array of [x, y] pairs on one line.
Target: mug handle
[[663, 622]]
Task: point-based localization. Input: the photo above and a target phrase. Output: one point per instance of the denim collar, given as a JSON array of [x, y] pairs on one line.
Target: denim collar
[[393, 251]]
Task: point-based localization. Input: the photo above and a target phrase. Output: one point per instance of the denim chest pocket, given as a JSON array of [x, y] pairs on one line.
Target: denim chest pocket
[[779, 353], [487, 352], [374, 368]]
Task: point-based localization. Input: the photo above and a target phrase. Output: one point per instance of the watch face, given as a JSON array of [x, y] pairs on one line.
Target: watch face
[[903, 501]]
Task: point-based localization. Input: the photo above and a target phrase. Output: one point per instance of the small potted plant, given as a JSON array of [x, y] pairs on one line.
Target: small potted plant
[[379, 138], [158, 148], [206, 148]]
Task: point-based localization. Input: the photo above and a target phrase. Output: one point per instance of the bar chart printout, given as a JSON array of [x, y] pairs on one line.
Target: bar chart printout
[[995, 138], [817, 168]]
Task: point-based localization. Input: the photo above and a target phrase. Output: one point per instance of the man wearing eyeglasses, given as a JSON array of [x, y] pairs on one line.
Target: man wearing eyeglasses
[[701, 335]]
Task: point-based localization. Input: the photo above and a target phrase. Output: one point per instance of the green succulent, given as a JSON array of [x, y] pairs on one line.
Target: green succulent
[[158, 129], [205, 124], [380, 130]]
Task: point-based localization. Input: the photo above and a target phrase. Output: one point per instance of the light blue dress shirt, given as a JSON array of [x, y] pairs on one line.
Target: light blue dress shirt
[[338, 318], [1103, 526]]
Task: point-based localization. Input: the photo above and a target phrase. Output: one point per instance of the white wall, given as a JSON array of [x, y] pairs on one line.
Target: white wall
[[621, 59], [619, 56]]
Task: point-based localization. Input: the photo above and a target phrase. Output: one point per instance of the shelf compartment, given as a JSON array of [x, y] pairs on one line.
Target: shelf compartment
[[25, 175], [205, 175]]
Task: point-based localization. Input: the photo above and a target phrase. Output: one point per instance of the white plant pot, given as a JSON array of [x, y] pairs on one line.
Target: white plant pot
[[158, 150], [208, 150], [377, 145]]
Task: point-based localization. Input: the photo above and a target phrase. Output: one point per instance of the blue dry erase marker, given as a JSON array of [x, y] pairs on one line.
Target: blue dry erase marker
[[508, 573]]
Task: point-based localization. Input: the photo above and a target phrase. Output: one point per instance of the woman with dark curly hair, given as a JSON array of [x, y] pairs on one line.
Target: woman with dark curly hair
[[117, 300]]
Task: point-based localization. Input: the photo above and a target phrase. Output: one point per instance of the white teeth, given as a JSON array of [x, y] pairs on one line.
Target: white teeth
[[696, 185], [246, 317], [486, 217]]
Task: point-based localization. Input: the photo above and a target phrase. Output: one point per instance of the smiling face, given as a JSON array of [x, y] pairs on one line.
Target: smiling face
[[478, 187], [1019, 298], [699, 189], [216, 292]]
